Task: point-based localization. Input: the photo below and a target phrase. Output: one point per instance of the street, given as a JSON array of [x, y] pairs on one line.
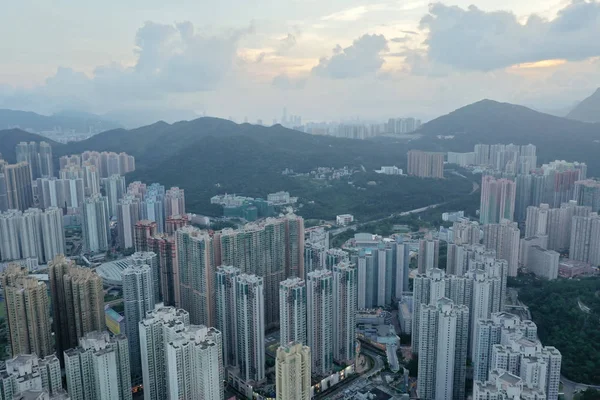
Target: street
[[337, 231]]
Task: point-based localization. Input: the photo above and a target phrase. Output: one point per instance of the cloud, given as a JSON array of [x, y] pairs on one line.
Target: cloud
[[472, 39], [363, 57], [351, 14], [410, 32], [171, 59], [260, 57], [284, 82], [286, 43], [400, 39]]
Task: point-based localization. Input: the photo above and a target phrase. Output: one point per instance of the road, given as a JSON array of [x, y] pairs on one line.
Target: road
[[570, 387], [114, 302], [378, 366], [337, 231]]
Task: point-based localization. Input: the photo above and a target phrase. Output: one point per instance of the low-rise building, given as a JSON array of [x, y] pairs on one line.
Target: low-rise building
[[344, 219]]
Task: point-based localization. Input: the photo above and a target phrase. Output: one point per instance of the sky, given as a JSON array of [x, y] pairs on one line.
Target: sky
[[323, 60]]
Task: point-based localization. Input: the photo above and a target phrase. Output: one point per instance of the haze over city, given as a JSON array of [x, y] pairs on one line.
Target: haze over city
[[323, 60], [299, 200]]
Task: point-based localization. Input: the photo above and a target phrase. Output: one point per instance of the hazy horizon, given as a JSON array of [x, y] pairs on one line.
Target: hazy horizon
[[339, 60]]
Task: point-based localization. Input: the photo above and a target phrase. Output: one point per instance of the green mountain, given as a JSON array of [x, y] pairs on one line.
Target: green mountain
[[491, 122], [66, 120], [588, 110], [209, 156]]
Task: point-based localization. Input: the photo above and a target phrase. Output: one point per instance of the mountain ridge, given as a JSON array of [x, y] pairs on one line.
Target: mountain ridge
[[587, 110], [489, 122], [67, 120]]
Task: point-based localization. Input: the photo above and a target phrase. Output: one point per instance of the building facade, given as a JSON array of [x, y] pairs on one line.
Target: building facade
[[138, 299], [319, 288], [292, 311], [27, 313], [77, 302], [292, 372]]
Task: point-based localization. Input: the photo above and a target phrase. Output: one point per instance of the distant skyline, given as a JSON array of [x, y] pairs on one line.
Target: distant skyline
[[339, 59]]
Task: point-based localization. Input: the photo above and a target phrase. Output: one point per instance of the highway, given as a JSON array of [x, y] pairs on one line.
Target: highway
[[378, 366], [337, 231]]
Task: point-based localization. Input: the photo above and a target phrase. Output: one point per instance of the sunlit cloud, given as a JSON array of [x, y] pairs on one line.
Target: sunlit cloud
[[541, 64], [353, 14]]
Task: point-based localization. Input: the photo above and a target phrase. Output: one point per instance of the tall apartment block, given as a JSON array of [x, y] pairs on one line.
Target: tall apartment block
[[174, 223], [272, 249], [382, 271], [562, 176], [150, 259], [128, 215], [138, 298], [504, 238], [555, 223], [227, 312], [429, 254], [96, 224], [153, 207], [114, 187], [319, 285], [537, 220], [10, 230], [542, 262], [345, 287], [157, 329], [27, 313], [143, 231], [505, 343], [62, 193], [585, 239], [482, 289], [77, 302], [19, 190], [457, 259], [497, 200], [91, 179], [466, 232], [194, 364], [250, 327], [73, 159], [3, 192], [294, 246], [38, 156], [524, 196], [174, 202], [99, 368], [292, 372], [196, 267], [587, 193], [165, 248], [292, 311], [53, 233], [33, 234], [46, 163], [402, 267], [425, 165], [137, 189], [427, 289], [443, 350], [490, 332], [28, 372]]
